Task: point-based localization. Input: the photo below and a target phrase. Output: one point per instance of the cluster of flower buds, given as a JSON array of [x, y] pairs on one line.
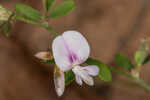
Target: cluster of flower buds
[[4, 14]]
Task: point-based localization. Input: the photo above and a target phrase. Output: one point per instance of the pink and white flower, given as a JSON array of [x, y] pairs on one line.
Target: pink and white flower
[[70, 50]]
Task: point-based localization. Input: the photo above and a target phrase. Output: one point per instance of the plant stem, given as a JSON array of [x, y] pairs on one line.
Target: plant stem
[[50, 29], [138, 81]]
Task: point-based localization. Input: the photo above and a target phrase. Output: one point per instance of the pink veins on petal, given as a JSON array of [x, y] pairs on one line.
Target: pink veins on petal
[[70, 49], [71, 55]]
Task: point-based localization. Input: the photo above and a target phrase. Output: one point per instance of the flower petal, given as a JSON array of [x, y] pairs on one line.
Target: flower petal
[[59, 82], [91, 70], [87, 79], [77, 44], [83, 75], [43, 55], [78, 80], [60, 54]]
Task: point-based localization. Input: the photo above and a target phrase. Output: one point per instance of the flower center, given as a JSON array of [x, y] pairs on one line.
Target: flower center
[[75, 64]]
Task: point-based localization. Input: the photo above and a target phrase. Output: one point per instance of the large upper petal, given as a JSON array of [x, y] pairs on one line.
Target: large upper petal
[[77, 44], [70, 48], [60, 54]]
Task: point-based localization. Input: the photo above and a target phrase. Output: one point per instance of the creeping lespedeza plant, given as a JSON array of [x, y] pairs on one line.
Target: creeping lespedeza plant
[[70, 50]]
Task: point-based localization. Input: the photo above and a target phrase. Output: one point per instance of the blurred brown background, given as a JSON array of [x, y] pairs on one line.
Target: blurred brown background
[[110, 26]]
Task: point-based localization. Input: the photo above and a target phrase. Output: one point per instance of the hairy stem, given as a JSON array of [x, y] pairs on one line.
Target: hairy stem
[[137, 80], [50, 29]]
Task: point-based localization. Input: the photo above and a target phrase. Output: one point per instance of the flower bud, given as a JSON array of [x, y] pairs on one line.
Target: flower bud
[[44, 55], [136, 72], [4, 14]]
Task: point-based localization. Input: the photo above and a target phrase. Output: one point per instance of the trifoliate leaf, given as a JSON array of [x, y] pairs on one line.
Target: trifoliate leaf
[[123, 61]]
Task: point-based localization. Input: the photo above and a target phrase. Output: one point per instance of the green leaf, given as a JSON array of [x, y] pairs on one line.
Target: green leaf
[[6, 28], [63, 9], [28, 11], [140, 55], [104, 73], [147, 59], [69, 77], [123, 61], [49, 61], [49, 4]]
